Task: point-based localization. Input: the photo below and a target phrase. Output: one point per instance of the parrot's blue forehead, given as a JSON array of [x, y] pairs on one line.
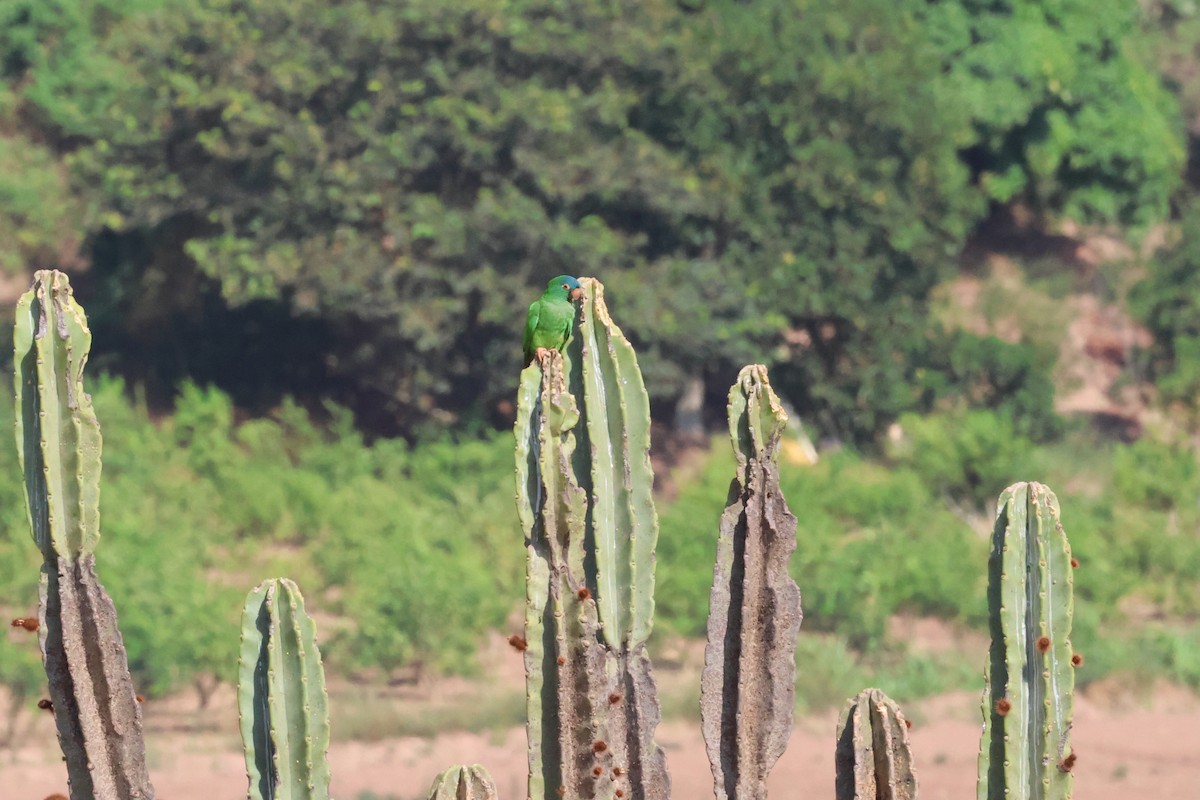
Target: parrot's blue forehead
[[571, 283]]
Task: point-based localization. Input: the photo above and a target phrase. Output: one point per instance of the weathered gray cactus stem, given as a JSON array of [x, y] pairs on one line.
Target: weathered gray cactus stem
[[748, 683], [590, 531], [282, 704], [464, 783], [873, 757], [96, 713], [1028, 697]]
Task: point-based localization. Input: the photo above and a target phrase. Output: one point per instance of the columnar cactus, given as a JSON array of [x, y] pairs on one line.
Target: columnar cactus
[[748, 684], [96, 713], [590, 531], [1029, 687], [464, 783], [873, 758], [282, 705]]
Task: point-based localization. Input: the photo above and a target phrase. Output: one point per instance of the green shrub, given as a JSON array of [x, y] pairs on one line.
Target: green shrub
[[411, 553], [1167, 301], [968, 456], [871, 542], [1156, 475], [984, 372]]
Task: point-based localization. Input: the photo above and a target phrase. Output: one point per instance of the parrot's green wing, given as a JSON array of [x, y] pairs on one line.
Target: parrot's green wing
[[535, 309]]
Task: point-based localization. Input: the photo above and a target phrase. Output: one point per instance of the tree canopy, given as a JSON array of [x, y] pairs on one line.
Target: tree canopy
[[361, 197]]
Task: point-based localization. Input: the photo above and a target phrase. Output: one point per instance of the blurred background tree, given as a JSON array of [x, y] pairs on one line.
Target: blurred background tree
[[306, 233], [355, 201]]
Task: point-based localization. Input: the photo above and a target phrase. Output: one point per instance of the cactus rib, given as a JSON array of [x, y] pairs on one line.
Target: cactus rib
[[747, 686], [96, 714], [282, 704], [58, 436], [1029, 684], [622, 520], [583, 482], [464, 783], [873, 755]]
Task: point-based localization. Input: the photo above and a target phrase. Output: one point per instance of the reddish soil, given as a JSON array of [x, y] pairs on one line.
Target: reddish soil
[[1124, 751]]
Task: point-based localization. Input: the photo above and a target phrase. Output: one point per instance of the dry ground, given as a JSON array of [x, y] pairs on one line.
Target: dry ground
[[1147, 748]]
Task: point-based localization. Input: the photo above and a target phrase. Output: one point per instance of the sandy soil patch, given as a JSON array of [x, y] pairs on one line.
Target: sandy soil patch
[[1125, 750]]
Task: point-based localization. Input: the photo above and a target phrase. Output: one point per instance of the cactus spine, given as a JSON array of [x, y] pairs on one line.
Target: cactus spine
[[590, 531], [464, 783], [873, 756], [282, 705], [748, 684], [1028, 696], [97, 716]]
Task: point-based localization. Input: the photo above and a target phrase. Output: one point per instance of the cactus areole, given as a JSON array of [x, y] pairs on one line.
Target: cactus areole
[[584, 499], [1028, 698]]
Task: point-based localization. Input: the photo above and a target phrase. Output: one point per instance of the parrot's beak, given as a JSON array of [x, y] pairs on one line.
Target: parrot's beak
[[576, 294]]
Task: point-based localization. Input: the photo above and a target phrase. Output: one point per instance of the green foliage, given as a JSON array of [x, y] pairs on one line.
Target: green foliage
[[38, 214], [1167, 301], [1063, 113], [963, 455], [752, 184], [414, 537], [196, 507], [875, 541], [872, 542], [57, 73], [1015, 380], [1156, 475]]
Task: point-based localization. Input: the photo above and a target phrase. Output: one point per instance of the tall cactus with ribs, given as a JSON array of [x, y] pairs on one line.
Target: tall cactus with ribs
[[748, 685], [282, 703], [96, 712], [584, 497], [1028, 697]]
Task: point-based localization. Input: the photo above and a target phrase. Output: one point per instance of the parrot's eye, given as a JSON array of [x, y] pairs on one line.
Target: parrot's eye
[[566, 286]]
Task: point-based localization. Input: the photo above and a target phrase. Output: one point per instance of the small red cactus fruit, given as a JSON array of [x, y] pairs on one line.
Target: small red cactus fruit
[[908, 724], [1043, 644], [1074, 562], [619, 793], [1077, 660], [614, 698], [618, 771], [28, 623], [597, 771], [562, 661], [56, 796], [583, 593], [1067, 763], [599, 746], [1003, 706], [560, 791], [518, 643], [139, 698], [45, 705]]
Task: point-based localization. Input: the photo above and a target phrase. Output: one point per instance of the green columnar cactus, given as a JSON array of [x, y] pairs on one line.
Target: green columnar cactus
[[748, 683], [873, 757], [282, 705], [590, 530], [96, 713], [613, 463], [464, 783], [1028, 695]]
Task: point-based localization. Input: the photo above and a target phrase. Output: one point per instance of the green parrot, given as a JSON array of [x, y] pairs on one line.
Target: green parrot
[[551, 317]]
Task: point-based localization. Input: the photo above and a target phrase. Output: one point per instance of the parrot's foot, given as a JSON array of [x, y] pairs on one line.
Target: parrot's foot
[[542, 353]]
